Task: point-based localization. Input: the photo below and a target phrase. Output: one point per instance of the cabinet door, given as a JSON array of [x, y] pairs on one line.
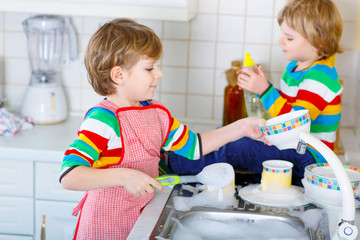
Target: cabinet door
[[16, 215], [16, 178], [59, 223], [14, 237], [47, 185]]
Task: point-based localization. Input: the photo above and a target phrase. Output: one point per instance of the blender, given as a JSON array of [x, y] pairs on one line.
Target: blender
[[44, 99]]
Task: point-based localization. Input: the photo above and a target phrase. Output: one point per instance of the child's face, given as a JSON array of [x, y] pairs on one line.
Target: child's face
[[295, 47], [142, 80]]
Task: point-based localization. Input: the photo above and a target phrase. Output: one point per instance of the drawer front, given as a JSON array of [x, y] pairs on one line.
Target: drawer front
[[47, 185], [13, 237], [16, 178], [17, 215], [59, 223]]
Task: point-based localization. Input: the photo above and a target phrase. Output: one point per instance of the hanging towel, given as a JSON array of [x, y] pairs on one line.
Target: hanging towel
[[10, 124]]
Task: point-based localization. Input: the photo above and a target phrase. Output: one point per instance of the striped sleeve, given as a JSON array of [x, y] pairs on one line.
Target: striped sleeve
[[316, 89], [99, 133], [182, 141], [274, 103]]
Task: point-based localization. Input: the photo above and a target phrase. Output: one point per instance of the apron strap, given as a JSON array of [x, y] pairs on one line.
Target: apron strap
[[79, 206]]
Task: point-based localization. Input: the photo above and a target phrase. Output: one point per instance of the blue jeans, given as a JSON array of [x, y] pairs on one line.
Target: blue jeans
[[243, 153]]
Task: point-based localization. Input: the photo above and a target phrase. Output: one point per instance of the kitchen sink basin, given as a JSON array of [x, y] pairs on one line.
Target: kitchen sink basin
[[241, 221]]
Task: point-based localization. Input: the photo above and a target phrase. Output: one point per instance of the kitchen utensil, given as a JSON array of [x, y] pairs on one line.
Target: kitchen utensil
[[214, 176], [44, 99], [276, 176], [168, 180], [283, 131]]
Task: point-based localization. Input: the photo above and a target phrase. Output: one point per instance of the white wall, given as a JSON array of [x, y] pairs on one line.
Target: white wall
[[357, 104], [197, 53]]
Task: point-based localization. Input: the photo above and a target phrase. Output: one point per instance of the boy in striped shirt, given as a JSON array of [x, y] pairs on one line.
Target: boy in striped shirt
[[116, 155]]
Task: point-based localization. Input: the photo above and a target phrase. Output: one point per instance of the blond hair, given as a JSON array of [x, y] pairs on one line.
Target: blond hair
[[120, 42], [318, 21]]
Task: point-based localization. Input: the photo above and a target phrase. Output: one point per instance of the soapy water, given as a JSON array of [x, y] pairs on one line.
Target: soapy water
[[221, 198], [261, 230], [201, 228], [218, 189], [311, 218], [218, 175], [206, 229]]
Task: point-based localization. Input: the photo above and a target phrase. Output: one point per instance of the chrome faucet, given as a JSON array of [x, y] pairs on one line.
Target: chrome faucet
[[346, 228]]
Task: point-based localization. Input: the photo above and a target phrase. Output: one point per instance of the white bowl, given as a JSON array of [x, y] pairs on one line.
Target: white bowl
[[322, 187], [321, 174], [283, 131]]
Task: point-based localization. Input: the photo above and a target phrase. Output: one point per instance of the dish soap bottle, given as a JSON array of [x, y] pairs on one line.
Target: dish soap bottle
[[234, 104], [254, 106]]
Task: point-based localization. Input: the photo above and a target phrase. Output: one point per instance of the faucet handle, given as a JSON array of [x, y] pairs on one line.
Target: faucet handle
[[347, 231], [301, 147]]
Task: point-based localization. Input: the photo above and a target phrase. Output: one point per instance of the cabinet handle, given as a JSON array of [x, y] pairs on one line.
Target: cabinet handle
[[43, 227]]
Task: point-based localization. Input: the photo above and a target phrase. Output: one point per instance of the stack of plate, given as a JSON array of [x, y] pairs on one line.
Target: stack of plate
[[292, 197]]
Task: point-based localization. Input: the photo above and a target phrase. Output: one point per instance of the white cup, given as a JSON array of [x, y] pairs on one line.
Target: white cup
[[276, 176]]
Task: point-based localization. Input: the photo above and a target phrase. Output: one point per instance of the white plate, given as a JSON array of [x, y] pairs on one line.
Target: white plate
[[294, 197]]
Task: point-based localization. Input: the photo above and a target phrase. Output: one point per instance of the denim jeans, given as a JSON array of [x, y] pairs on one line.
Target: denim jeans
[[243, 153]]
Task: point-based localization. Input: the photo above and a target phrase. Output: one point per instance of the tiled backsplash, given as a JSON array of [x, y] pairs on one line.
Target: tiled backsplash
[[196, 55]]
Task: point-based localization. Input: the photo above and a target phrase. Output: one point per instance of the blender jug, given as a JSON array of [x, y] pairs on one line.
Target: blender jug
[[44, 99]]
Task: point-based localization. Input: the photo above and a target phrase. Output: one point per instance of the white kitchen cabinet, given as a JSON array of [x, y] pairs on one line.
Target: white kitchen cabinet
[[47, 185], [28, 190], [12, 237], [55, 202], [16, 197], [59, 223], [30, 165], [16, 215], [16, 178], [174, 10]]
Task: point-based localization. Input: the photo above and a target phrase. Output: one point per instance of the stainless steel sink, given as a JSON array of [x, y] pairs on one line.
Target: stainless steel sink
[[236, 222]]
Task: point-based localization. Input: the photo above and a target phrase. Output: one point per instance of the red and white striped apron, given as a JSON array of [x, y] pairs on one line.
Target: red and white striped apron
[[110, 213]]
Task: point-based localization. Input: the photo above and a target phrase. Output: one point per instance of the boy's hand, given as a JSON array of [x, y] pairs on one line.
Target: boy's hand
[[139, 184], [252, 81], [251, 127]]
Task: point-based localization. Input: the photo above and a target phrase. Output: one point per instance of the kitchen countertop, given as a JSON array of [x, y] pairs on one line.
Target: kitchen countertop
[[52, 140]]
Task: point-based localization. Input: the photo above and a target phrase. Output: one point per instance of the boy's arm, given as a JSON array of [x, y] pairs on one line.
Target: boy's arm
[[214, 139], [82, 165], [183, 141], [274, 103], [193, 146], [93, 138], [83, 178]]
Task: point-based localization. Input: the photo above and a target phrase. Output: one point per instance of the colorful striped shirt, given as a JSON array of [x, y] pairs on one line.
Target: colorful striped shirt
[[316, 89], [99, 144]]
